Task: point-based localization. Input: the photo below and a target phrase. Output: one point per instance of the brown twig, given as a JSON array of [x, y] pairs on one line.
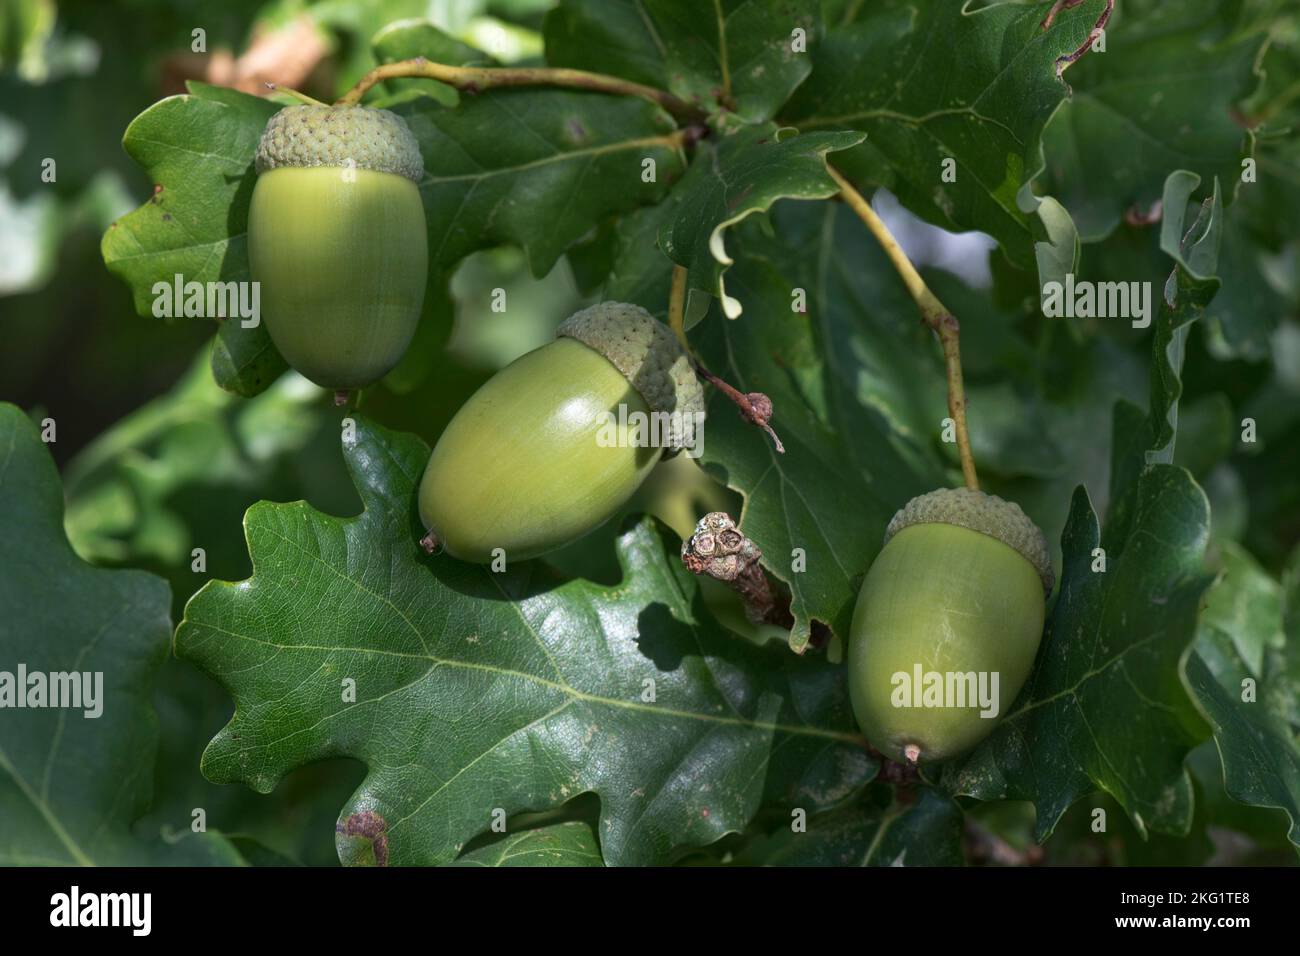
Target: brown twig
[[474, 79], [719, 549], [933, 313], [1057, 7], [755, 407], [1062, 62]]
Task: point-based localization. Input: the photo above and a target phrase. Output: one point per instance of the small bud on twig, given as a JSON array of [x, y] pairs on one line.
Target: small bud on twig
[[755, 407]]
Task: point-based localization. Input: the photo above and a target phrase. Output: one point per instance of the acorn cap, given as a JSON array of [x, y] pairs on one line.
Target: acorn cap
[[650, 358], [987, 514], [342, 136]]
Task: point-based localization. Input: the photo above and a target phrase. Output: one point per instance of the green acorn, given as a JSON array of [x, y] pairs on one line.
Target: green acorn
[[554, 444], [959, 589], [337, 240]]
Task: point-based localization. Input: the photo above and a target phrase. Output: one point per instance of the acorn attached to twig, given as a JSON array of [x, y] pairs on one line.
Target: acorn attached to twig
[[947, 624], [554, 444], [337, 240]]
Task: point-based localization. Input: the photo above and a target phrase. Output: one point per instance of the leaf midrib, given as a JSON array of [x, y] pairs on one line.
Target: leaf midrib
[[667, 142], [563, 688], [46, 813], [558, 685]]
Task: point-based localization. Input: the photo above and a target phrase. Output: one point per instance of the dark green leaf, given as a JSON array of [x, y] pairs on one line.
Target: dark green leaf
[[563, 844], [737, 55], [1160, 98], [1086, 837], [198, 149], [925, 832], [742, 174], [935, 81], [536, 168], [477, 691], [177, 475], [245, 360], [1192, 284], [73, 779], [1245, 676], [857, 404], [1104, 708]]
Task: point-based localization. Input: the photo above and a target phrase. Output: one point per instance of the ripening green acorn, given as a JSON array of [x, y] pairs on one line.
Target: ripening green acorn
[[955, 597], [556, 442], [337, 240]]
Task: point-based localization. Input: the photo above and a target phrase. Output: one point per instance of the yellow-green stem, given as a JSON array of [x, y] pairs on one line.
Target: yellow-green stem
[[298, 95], [473, 79], [933, 313], [677, 307]]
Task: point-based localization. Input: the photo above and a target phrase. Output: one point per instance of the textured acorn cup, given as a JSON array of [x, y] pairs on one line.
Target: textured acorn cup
[[337, 240], [532, 461], [959, 588]]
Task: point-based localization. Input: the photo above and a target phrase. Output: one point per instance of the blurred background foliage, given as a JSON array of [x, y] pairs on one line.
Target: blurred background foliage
[[157, 460]]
